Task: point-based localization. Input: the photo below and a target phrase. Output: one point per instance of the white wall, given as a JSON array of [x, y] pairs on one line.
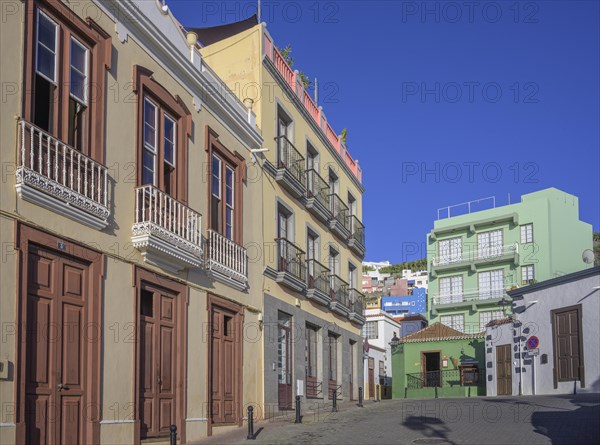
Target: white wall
[[536, 320]]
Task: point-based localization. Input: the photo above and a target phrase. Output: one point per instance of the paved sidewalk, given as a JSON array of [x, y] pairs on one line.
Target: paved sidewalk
[[531, 420]]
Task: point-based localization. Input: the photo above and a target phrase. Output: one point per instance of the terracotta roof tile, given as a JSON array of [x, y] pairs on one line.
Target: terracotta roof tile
[[436, 332]]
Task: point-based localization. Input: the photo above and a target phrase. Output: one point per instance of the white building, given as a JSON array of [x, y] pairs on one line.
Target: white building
[[378, 331], [377, 266], [420, 277], [550, 345]]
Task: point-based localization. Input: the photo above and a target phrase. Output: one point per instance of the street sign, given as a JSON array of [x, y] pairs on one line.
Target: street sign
[[533, 342], [533, 352]]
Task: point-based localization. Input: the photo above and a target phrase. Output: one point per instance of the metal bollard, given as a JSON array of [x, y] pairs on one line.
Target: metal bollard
[[298, 416], [377, 390], [173, 429], [436, 395], [406, 392], [360, 396], [574, 386], [334, 408], [250, 423], [469, 391]]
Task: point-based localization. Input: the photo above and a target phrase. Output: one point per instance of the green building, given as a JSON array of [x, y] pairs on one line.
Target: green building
[[439, 361], [475, 257]]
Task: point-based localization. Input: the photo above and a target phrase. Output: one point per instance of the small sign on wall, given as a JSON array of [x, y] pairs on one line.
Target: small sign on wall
[[300, 387], [445, 363]]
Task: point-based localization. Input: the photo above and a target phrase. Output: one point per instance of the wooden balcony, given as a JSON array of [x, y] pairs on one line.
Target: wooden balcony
[[166, 232], [226, 260], [60, 178]]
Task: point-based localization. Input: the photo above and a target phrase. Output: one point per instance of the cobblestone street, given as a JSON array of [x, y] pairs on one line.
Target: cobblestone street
[[571, 419]]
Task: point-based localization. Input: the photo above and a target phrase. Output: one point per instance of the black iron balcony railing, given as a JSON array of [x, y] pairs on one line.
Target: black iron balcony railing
[[357, 301], [317, 276], [444, 378], [290, 259], [290, 158], [317, 187], [357, 230], [339, 291], [339, 210]]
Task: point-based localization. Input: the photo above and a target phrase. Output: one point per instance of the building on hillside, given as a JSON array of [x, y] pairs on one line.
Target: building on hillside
[[410, 324], [475, 257], [115, 236], [418, 278], [398, 286], [375, 270], [378, 331], [314, 238], [371, 285], [438, 361], [406, 304], [550, 344]]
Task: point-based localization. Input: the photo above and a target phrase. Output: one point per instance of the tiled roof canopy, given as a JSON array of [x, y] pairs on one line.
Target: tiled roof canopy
[[437, 332]]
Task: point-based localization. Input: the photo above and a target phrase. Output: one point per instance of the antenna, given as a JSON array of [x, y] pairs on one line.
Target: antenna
[[258, 12], [316, 92], [587, 256]]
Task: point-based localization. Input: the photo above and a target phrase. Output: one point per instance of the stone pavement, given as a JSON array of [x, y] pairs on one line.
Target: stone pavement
[[568, 420]]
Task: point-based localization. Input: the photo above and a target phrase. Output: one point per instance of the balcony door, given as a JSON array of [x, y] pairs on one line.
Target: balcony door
[[283, 137], [283, 233], [491, 284], [222, 197], [284, 361], [312, 168], [311, 256], [333, 364]]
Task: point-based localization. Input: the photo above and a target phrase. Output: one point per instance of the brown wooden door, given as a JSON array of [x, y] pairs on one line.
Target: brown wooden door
[[284, 359], [223, 363], [56, 374], [157, 361], [567, 344], [503, 370], [351, 376], [311, 362], [371, 378]]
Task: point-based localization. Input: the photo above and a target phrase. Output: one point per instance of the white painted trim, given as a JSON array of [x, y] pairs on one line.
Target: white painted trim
[[7, 425], [115, 422], [197, 419]]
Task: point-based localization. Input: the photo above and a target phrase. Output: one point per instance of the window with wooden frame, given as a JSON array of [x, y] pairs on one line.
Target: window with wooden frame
[[164, 126], [66, 59], [226, 172]]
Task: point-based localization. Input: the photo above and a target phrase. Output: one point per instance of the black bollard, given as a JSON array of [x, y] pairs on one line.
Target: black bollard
[[250, 423], [360, 396], [298, 414], [469, 391], [574, 386], [405, 392], [377, 389], [436, 396], [173, 429], [334, 408]]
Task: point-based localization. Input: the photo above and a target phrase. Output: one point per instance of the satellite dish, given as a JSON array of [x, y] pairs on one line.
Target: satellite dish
[[587, 256]]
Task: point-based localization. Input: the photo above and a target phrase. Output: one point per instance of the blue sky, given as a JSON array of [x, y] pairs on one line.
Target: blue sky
[[446, 102]]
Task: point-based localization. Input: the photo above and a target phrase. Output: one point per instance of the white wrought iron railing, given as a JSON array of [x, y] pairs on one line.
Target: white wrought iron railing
[[468, 295], [227, 256], [162, 215], [474, 252], [492, 252], [55, 168]]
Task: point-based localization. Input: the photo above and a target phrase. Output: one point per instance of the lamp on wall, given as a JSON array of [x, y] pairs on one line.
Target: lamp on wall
[[260, 320]]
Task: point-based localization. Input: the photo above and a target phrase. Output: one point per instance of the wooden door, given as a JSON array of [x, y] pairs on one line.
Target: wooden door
[[567, 345], [56, 350], [224, 362], [371, 378], [311, 362], [284, 362], [157, 361], [503, 370], [351, 376]]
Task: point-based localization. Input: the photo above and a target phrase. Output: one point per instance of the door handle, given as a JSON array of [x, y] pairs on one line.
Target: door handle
[[62, 386]]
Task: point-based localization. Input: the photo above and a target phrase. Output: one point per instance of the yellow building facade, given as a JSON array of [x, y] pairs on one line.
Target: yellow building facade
[[129, 302], [312, 230]]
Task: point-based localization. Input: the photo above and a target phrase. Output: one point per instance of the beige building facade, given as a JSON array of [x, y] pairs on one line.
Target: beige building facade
[[312, 230], [130, 301]]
